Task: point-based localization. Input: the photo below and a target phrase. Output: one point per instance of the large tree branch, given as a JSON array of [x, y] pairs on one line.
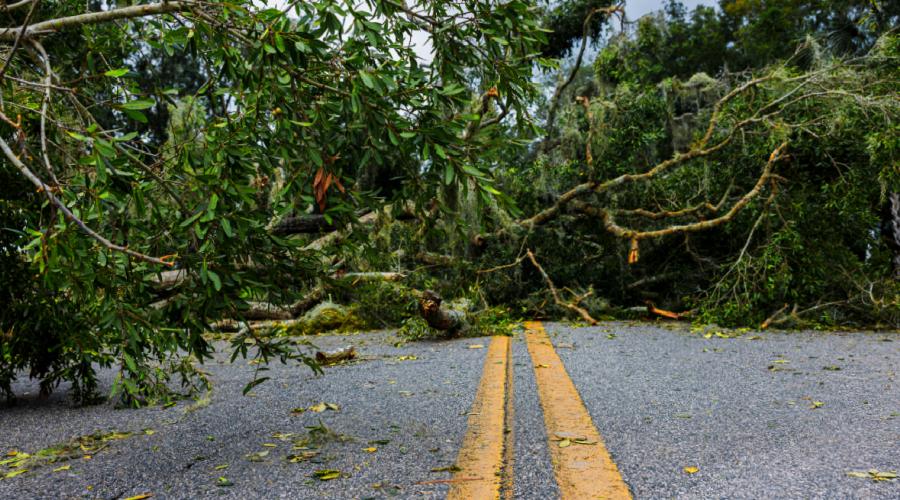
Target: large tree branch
[[613, 227], [698, 150], [45, 107], [13, 6], [684, 212], [53, 25], [555, 293]]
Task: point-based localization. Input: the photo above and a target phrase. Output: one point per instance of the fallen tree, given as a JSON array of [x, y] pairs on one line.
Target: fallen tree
[[438, 316]]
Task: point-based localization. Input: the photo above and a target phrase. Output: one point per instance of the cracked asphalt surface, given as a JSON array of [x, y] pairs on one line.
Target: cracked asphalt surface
[[663, 398]]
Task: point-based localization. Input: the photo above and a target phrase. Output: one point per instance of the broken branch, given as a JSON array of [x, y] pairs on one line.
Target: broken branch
[[553, 291]]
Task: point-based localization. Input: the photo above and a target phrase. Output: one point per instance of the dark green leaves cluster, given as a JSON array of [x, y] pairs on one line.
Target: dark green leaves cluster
[[186, 135]]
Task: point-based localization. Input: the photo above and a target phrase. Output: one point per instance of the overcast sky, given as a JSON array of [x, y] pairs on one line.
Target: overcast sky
[[637, 8]]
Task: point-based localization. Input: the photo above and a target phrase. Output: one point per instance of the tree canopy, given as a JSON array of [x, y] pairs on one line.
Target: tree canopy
[[171, 165]]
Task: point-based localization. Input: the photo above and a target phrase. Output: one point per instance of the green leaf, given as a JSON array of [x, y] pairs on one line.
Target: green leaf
[[138, 104], [449, 174], [367, 80], [217, 283], [316, 157], [127, 137], [117, 73], [326, 474], [129, 362], [136, 115], [469, 169], [488, 188], [105, 148], [249, 387], [453, 89], [226, 226]]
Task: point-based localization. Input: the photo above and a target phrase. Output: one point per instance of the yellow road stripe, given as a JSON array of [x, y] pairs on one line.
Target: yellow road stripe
[[583, 470], [481, 458], [508, 429]]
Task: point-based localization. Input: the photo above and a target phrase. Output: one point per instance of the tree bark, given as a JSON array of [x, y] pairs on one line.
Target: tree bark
[[890, 230], [438, 317], [332, 357]]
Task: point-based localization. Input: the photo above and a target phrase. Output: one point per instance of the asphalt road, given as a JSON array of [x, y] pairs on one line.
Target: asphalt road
[[760, 416], [741, 410]]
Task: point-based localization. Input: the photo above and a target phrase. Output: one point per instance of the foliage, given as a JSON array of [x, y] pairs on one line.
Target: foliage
[[484, 322], [327, 88], [150, 151], [564, 21], [740, 34], [785, 247]]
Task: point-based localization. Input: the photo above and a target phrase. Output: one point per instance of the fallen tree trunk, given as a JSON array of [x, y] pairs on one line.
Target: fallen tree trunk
[[300, 307], [172, 278], [434, 259], [441, 318], [169, 279], [324, 317], [264, 310], [369, 276], [368, 219], [333, 357]]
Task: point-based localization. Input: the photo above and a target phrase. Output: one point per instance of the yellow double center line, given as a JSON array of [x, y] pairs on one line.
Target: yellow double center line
[[581, 463], [483, 461]]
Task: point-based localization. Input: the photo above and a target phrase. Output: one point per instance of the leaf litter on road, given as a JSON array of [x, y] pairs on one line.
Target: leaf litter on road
[[319, 408], [257, 456], [326, 474], [567, 439], [874, 474], [303, 456], [448, 468]]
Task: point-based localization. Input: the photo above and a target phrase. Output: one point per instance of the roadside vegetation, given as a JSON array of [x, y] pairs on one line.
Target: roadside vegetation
[[179, 168]]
